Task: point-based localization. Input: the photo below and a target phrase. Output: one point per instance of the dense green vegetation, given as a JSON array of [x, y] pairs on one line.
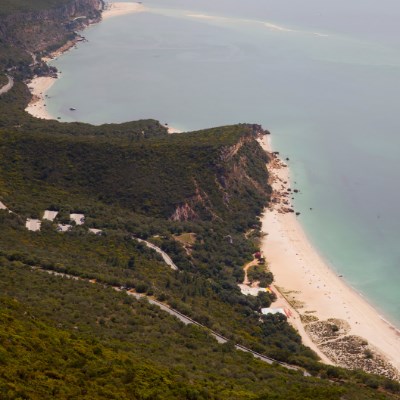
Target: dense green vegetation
[[3, 80], [196, 195], [32, 29], [109, 259], [82, 169], [89, 342], [13, 117], [259, 273], [17, 6], [206, 289], [125, 173]]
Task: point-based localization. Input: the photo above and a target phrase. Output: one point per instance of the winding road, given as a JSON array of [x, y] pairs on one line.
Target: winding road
[[183, 318], [164, 255], [8, 86]]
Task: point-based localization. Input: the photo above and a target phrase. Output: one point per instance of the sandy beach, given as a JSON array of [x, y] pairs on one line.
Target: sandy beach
[[316, 293], [38, 87], [117, 9], [304, 282]]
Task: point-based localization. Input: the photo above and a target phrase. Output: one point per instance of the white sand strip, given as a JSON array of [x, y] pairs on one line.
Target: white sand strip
[[269, 25], [2, 206], [38, 87], [274, 27], [50, 215], [297, 267], [78, 218], [33, 224], [118, 9]]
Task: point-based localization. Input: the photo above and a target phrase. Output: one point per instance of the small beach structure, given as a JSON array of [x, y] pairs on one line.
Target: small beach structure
[[63, 228], [269, 290], [33, 224], [252, 291], [79, 219], [50, 215], [271, 310], [95, 231], [259, 257]]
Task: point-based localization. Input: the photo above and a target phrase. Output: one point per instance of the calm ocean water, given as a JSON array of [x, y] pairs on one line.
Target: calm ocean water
[[324, 77]]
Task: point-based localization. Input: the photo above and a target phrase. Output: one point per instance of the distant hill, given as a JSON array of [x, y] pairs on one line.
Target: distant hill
[[40, 26]]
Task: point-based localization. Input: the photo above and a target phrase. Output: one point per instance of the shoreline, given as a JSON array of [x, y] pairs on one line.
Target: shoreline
[[303, 280], [38, 86], [115, 9], [314, 291]]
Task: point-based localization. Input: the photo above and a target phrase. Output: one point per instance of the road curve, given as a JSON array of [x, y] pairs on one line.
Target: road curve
[[164, 255], [8, 86], [183, 318]]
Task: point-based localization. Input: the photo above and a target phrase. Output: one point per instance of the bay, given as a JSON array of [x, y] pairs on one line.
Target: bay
[[324, 77]]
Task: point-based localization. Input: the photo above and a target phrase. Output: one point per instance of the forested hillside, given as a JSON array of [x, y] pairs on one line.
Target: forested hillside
[[20, 6], [197, 196], [32, 29], [212, 185], [87, 342]]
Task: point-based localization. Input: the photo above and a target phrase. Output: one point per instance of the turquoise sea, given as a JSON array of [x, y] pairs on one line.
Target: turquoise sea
[[324, 77]]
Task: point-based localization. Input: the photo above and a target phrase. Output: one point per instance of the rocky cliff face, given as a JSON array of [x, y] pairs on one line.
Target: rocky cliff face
[[239, 173], [47, 29]]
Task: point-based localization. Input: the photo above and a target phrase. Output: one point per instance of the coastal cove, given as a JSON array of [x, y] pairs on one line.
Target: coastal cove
[[312, 177]]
